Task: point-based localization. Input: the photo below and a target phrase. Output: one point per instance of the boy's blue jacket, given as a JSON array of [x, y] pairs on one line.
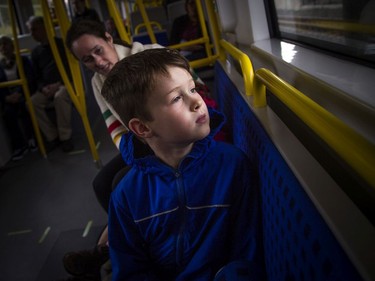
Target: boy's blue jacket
[[184, 224]]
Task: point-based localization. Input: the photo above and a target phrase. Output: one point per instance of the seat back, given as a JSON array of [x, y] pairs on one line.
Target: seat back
[[298, 244], [155, 14]]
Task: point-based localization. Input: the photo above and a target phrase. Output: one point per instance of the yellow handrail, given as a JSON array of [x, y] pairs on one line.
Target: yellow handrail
[[245, 63], [64, 24], [77, 99], [23, 81], [202, 22], [188, 43], [205, 39], [141, 25], [115, 14], [354, 149], [146, 20], [214, 24]]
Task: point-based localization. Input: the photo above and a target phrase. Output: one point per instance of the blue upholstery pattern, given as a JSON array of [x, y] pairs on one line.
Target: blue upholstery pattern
[[298, 245], [160, 36]]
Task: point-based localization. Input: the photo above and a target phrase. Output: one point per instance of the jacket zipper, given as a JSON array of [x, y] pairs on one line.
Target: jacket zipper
[[181, 200]]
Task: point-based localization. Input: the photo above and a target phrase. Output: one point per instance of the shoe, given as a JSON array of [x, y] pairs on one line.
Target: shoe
[[67, 145], [19, 153], [32, 145], [51, 145], [86, 263]]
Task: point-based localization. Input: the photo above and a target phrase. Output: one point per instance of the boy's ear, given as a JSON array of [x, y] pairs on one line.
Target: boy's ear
[[139, 128]]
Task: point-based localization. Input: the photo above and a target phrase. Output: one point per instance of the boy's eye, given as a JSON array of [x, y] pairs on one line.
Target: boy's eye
[[176, 99]]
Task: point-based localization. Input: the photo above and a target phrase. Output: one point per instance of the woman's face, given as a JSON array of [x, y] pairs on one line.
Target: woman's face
[[95, 53]]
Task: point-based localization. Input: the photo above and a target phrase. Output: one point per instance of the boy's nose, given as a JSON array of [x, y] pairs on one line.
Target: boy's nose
[[196, 102]]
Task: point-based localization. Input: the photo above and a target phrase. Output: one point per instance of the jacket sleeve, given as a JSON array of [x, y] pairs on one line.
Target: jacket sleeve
[[128, 251], [247, 234]]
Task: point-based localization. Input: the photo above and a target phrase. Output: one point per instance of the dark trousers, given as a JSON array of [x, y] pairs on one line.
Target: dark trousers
[[111, 174], [103, 182], [18, 123]]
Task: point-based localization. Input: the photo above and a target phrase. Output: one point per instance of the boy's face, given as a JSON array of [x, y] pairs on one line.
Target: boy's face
[[180, 115]]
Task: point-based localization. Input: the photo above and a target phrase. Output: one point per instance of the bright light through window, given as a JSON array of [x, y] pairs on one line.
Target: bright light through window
[[287, 51]]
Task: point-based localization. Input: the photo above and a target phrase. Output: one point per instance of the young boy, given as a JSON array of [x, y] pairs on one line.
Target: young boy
[[189, 207]]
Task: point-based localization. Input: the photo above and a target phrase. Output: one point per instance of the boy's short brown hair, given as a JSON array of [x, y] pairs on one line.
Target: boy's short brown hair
[[130, 82]]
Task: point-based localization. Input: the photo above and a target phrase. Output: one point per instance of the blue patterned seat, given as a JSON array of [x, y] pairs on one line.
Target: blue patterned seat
[[298, 245]]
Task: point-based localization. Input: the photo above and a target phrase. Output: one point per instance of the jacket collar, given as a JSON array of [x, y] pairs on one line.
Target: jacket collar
[[135, 152]]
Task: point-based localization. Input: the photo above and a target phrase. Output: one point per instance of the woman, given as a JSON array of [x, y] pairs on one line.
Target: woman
[[12, 100], [92, 45], [95, 48]]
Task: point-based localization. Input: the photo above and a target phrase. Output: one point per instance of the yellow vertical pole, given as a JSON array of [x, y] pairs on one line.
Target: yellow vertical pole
[[24, 83], [64, 24], [115, 14], [214, 21], [127, 20], [79, 103], [202, 22], [146, 20]]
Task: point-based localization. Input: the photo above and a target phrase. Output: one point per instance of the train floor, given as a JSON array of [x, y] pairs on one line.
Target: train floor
[[48, 207]]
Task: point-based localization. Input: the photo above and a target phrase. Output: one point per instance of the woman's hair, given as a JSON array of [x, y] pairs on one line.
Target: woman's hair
[[131, 81], [88, 27]]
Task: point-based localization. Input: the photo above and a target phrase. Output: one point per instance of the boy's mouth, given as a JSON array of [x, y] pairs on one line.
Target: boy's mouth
[[201, 119]]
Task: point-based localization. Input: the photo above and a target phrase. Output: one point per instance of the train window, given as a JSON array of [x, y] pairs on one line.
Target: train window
[[343, 26], [5, 20], [24, 9], [37, 8]]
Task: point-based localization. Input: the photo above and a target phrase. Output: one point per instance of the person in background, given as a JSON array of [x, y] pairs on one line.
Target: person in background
[[50, 89], [186, 28], [81, 12], [12, 100], [98, 51], [190, 206]]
